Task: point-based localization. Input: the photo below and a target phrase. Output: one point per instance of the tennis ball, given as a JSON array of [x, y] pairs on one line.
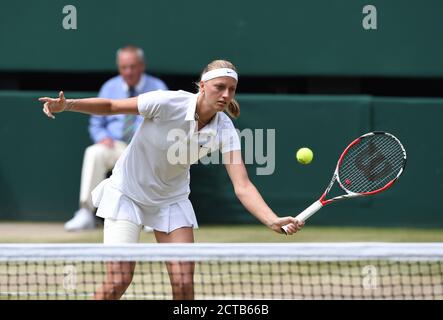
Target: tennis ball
[[304, 155]]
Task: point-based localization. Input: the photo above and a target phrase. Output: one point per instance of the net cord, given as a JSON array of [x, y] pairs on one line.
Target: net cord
[[224, 252]]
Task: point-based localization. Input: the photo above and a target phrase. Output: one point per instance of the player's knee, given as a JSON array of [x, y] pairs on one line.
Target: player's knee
[[121, 282], [182, 282], [183, 291]]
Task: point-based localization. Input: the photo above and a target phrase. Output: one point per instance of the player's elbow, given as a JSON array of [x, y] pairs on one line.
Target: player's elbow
[[114, 107], [239, 192], [241, 189]]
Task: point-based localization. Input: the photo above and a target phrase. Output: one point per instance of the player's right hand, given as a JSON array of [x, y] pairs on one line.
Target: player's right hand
[[292, 225], [51, 105]]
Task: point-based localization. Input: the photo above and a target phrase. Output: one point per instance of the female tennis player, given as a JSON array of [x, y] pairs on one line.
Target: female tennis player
[[148, 186]]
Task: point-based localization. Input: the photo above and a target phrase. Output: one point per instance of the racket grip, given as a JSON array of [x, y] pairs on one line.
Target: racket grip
[[305, 214]]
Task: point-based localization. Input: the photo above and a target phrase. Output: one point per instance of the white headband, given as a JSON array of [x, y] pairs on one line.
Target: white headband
[[222, 72]]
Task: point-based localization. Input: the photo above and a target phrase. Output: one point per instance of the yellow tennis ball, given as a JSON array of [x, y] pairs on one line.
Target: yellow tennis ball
[[304, 155]]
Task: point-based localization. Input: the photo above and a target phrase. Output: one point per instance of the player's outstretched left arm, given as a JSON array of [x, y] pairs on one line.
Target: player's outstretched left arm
[[251, 199], [97, 106]]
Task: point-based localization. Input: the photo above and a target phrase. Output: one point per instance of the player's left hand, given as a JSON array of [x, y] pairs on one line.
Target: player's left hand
[[51, 105]]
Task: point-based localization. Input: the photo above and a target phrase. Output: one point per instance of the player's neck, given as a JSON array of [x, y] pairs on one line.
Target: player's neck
[[203, 113]]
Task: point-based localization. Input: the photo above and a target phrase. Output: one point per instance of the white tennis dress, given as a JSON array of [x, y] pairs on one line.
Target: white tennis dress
[[150, 182]]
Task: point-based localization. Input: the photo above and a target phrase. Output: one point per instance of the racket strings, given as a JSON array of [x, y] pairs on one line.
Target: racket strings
[[385, 173], [375, 162], [371, 163]]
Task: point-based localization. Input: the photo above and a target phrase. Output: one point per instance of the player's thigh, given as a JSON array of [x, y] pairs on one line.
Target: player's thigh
[[180, 272], [120, 232], [180, 235]]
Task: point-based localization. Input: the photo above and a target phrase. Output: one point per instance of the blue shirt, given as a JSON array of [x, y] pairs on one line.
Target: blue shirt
[[101, 127]]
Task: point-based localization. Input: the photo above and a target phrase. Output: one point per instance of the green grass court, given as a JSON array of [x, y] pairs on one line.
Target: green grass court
[[37, 232], [222, 280]]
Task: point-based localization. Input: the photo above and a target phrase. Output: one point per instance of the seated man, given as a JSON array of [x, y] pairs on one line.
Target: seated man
[[111, 134]]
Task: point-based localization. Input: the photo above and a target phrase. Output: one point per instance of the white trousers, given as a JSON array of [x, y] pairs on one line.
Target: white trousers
[[97, 161]]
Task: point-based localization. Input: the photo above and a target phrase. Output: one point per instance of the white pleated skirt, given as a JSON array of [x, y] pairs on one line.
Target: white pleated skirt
[[111, 203]]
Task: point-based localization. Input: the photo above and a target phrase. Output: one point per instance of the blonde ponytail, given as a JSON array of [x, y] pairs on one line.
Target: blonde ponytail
[[233, 109]]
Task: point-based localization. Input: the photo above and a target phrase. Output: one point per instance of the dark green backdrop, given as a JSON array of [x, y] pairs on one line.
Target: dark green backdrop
[[280, 37], [41, 159]]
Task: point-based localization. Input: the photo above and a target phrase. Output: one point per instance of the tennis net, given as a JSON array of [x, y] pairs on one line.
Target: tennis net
[[229, 271]]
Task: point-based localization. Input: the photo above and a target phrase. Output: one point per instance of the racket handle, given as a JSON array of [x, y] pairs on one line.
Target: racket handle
[[305, 214]]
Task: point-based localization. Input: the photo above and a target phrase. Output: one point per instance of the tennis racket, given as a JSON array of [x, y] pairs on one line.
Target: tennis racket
[[370, 164]]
